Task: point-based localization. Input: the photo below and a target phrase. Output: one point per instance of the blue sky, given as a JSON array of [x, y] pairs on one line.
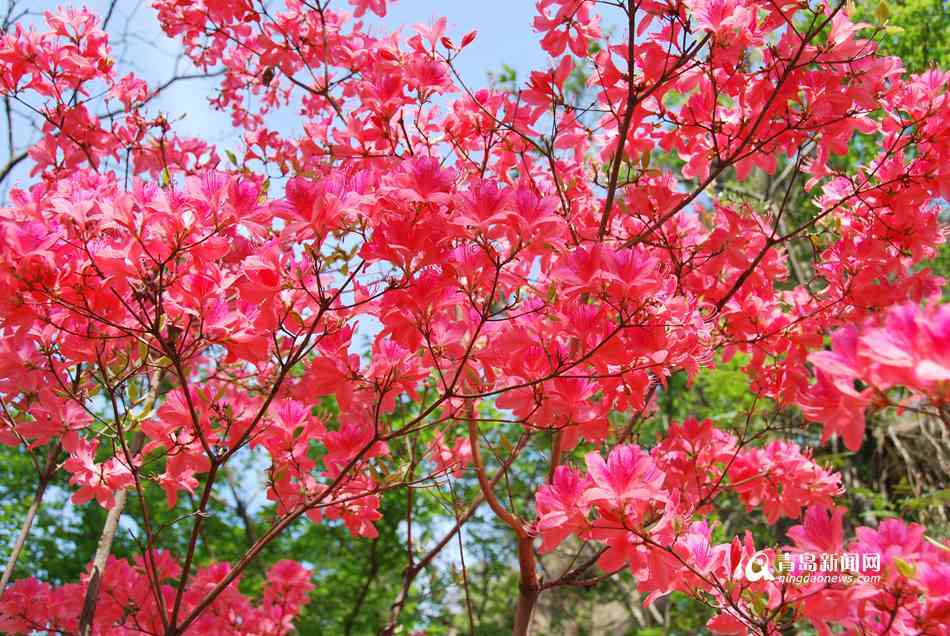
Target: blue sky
[[505, 36]]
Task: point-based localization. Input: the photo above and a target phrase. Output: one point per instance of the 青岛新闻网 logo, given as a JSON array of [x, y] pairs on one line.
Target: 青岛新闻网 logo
[[755, 567]]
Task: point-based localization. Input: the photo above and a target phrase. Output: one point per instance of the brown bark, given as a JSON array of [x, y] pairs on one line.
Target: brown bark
[[103, 550], [529, 586]]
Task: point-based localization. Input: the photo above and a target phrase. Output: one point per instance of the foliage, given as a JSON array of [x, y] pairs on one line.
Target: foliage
[[916, 31]]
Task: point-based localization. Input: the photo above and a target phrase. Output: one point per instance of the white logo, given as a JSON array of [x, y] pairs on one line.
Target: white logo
[[810, 568], [756, 568]]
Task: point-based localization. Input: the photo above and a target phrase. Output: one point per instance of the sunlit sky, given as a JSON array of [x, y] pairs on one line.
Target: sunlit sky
[[505, 36]]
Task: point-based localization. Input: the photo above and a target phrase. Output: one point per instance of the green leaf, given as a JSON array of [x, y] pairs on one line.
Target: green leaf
[[933, 499], [882, 12]]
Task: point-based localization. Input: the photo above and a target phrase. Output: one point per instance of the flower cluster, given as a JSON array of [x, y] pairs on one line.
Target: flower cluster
[[907, 348], [130, 606]]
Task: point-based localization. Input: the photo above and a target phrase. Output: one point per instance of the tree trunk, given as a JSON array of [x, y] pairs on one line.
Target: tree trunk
[[24, 532], [528, 587], [44, 478], [103, 550]]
